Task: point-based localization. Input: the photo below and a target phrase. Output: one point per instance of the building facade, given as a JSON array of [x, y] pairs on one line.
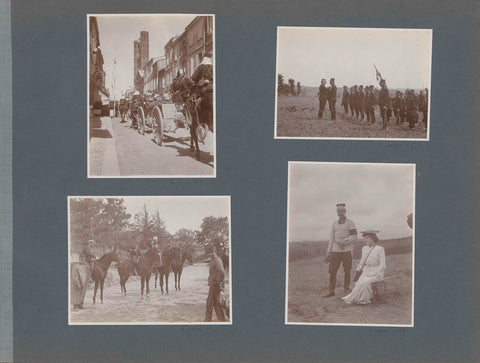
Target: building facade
[[140, 60], [97, 92], [185, 52]]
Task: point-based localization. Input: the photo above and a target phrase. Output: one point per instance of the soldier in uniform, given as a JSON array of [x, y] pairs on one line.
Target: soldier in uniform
[[332, 98], [322, 97], [136, 102], [352, 102], [345, 99], [340, 247], [425, 110], [87, 256], [367, 103], [355, 100], [384, 102], [411, 107], [361, 101], [215, 282], [399, 108]]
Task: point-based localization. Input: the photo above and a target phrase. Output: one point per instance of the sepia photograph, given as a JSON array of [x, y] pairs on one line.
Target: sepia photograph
[[353, 83], [149, 260], [350, 244], [151, 101]]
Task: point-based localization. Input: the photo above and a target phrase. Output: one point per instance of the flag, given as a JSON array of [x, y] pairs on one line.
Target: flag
[[377, 73]]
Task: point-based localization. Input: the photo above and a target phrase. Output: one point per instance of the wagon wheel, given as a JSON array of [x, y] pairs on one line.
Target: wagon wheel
[[201, 134], [158, 125], [141, 121]]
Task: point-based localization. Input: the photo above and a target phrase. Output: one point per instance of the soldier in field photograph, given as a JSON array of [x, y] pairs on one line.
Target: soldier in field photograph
[[370, 65], [371, 238]]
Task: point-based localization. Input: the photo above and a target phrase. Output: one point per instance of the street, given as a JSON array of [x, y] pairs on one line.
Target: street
[[118, 150], [185, 305]]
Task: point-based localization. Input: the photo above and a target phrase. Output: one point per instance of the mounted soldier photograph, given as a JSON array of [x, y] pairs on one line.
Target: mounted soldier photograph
[[149, 260], [158, 71]]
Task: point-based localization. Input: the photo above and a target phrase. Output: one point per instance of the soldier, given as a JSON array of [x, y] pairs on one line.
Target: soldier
[[340, 247], [332, 98], [412, 114], [215, 283], [355, 100], [371, 101], [384, 102], [87, 257], [204, 71], [367, 103], [425, 111], [345, 99], [322, 97], [361, 101], [352, 111], [399, 108]]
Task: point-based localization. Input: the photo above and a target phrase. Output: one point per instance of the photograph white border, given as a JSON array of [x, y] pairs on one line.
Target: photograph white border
[[179, 176], [413, 245], [351, 138], [230, 322]]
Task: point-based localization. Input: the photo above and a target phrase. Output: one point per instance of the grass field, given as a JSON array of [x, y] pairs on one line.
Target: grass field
[[308, 281], [297, 117]]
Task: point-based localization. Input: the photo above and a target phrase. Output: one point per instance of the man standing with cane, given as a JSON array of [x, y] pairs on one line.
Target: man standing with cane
[[340, 247]]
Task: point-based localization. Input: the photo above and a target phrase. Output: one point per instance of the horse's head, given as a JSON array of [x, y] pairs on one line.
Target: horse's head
[[188, 254], [114, 256]]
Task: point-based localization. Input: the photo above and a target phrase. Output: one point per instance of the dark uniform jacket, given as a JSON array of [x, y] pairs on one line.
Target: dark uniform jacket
[[203, 71], [332, 92], [384, 97], [345, 98], [322, 93], [216, 271]]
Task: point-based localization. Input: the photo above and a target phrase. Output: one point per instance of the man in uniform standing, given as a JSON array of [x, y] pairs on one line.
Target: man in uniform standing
[[215, 281], [345, 99], [332, 98], [361, 102], [340, 247], [322, 97], [384, 102], [87, 256]]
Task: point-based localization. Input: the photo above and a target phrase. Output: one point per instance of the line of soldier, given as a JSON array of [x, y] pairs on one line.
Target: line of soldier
[[362, 100]]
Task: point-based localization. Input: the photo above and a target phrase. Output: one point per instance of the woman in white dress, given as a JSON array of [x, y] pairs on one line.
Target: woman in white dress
[[373, 266]]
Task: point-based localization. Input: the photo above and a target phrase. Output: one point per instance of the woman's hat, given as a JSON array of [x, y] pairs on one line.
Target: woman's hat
[[371, 233]]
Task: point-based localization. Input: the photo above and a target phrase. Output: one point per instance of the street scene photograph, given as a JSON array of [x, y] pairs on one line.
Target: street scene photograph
[[151, 101], [353, 83], [350, 244], [149, 260]]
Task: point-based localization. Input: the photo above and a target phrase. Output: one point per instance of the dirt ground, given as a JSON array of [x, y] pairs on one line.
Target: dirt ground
[[185, 305], [297, 117], [308, 281]]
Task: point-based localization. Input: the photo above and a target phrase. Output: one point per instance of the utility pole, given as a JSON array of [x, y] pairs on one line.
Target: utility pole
[[114, 69]]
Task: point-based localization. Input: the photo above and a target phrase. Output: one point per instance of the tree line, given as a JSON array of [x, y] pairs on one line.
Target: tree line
[[106, 221], [288, 88]]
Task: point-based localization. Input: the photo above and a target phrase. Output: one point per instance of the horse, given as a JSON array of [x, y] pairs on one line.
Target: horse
[[162, 270], [198, 108], [178, 257], [99, 271], [145, 267], [125, 269]]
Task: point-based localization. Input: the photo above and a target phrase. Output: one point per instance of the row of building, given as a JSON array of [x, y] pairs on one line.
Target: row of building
[[183, 52], [98, 94]]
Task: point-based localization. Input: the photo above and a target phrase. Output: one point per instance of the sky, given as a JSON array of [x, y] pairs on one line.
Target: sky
[[403, 57], [377, 196], [117, 34], [181, 212]]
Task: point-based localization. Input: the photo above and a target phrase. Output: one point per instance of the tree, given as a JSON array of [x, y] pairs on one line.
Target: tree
[[102, 220], [280, 83], [159, 230], [299, 89], [215, 230], [143, 223], [291, 83], [185, 238]]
